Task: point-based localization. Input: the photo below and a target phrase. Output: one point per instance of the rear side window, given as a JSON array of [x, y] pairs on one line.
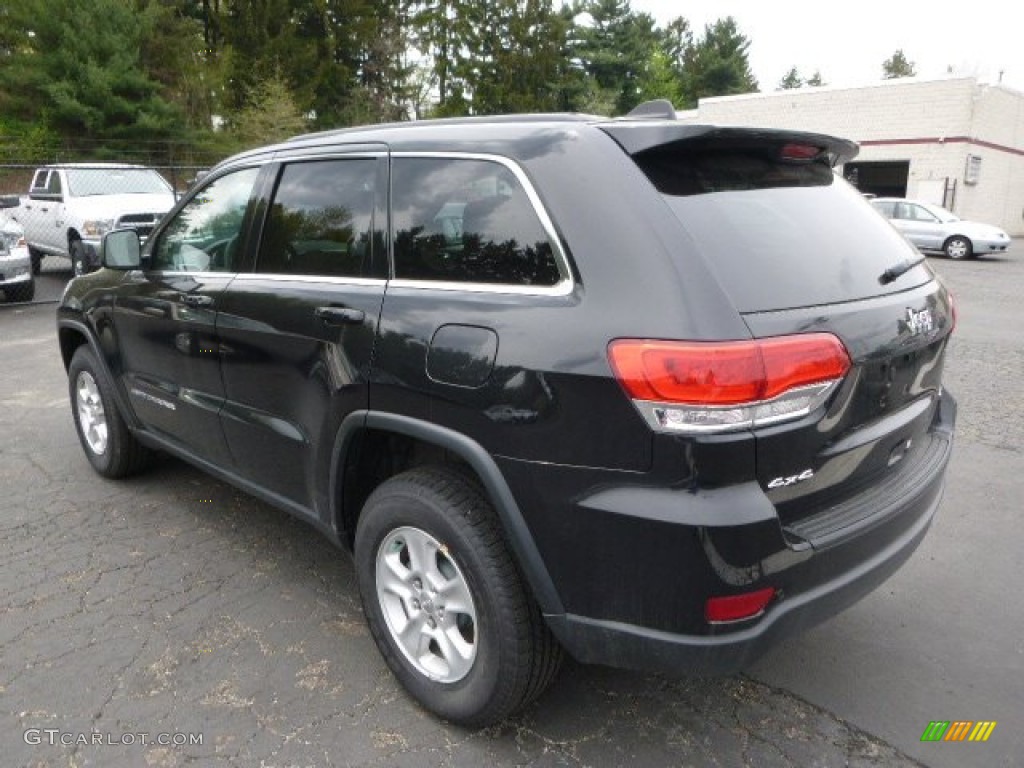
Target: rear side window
[[468, 221], [778, 233], [321, 219]]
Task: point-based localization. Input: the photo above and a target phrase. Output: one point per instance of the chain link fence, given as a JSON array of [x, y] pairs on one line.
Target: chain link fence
[[56, 207]]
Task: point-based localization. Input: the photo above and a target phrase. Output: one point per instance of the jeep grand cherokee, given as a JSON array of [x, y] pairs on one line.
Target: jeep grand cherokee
[[649, 393]]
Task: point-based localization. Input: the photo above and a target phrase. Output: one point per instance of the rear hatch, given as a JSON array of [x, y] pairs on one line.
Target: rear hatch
[[799, 251]]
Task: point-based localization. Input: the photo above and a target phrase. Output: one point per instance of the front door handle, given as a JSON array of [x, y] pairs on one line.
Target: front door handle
[[340, 315], [196, 300]]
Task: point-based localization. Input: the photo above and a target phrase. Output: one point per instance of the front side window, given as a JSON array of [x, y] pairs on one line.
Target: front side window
[[203, 236], [468, 221], [321, 220]]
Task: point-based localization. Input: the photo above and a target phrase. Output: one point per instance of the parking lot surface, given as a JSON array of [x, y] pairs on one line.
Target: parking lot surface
[[173, 608]]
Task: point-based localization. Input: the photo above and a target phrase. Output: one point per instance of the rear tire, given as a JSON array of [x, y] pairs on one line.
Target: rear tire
[[109, 445], [37, 260], [445, 602], [958, 247]]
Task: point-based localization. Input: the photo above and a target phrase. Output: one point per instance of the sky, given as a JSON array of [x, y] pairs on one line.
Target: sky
[[849, 41]]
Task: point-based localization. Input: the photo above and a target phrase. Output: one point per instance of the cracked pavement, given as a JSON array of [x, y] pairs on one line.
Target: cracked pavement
[[172, 603]]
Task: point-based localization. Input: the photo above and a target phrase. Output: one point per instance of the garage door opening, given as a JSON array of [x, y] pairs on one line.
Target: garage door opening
[[884, 179]]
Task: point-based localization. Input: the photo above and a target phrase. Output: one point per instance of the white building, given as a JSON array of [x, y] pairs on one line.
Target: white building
[[951, 141]]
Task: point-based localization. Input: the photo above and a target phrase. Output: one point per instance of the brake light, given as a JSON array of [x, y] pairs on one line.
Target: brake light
[[711, 386], [799, 152], [718, 610]]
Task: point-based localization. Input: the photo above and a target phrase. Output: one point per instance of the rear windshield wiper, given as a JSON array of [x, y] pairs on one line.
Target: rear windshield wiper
[[902, 268]]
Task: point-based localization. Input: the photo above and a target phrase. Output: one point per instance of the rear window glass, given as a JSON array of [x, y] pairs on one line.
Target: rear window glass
[[466, 220], [777, 233]]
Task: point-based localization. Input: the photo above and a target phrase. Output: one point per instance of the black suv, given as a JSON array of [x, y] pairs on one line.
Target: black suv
[[656, 394]]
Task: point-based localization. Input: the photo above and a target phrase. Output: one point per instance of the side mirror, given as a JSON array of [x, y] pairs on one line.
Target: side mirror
[[9, 201], [122, 249]]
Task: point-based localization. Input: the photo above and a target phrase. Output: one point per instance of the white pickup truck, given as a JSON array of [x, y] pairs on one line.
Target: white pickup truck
[[70, 207]]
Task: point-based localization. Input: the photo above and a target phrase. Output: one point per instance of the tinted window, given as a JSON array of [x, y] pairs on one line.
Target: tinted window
[[462, 220], [777, 233], [321, 220], [203, 236]]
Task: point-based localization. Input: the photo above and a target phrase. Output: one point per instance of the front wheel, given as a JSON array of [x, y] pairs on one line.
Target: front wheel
[[109, 445], [445, 602], [958, 247]]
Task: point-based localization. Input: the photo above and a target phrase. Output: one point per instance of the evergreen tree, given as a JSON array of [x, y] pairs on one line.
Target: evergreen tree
[[717, 64], [790, 81], [815, 79], [897, 66], [615, 49], [78, 68]]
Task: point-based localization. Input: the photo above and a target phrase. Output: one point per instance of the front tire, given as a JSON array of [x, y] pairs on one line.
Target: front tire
[[958, 247], [109, 445], [445, 602]]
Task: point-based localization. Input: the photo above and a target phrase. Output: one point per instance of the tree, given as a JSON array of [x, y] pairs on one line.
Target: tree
[[269, 115], [615, 49], [815, 79], [897, 66], [791, 80], [717, 64], [78, 69]]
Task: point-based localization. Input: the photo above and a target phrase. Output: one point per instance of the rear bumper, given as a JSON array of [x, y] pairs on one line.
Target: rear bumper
[[635, 564], [630, 646]]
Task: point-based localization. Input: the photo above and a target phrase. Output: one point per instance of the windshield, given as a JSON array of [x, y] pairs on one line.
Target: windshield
[[778, 234], [84, 182]]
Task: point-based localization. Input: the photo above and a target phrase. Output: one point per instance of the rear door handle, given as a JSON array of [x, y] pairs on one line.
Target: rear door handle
[[340, 315], [196, 300]]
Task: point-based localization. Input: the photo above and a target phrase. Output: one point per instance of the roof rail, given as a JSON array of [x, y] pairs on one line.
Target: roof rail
[[657, 108]]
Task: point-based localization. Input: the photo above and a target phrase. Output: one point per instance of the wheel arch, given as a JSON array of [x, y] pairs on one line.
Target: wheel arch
[[74, 333], [350, 484]]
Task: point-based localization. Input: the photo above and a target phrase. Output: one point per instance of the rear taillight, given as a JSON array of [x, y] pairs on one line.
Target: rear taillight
[[687, 386], [750, 605]]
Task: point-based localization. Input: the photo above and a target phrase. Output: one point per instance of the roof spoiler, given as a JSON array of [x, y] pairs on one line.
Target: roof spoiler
[[636, 136]]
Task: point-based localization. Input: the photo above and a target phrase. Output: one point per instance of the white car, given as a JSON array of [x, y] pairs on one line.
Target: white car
[[16, 279], [933, 228]]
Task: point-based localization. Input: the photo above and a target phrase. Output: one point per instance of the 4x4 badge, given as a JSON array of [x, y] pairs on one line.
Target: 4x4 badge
[[782, 482], [919, 322]]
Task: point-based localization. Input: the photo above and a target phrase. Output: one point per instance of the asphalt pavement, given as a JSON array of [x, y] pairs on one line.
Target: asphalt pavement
[[173, 608]]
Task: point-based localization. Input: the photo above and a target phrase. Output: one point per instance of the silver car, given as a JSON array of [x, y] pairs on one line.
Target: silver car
[[933, 228], [16, 279]]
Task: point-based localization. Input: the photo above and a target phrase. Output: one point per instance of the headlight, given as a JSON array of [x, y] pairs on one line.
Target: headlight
[[97, 227]]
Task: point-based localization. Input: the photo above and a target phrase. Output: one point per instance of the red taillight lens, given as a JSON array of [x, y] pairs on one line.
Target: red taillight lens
[[737, 607], [725, 373], [799, 152]]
